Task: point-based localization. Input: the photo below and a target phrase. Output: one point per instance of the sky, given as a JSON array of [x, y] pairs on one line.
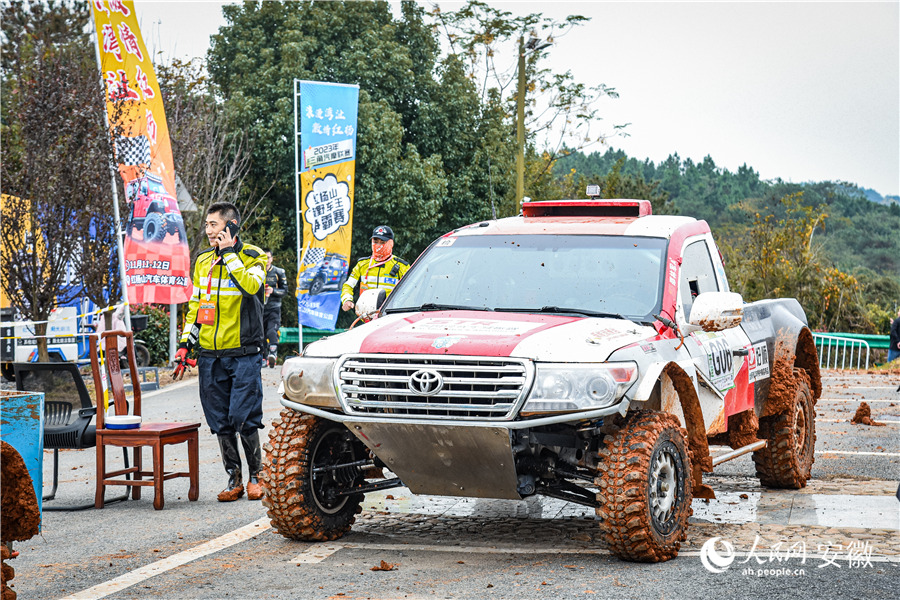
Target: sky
[[802, 91]]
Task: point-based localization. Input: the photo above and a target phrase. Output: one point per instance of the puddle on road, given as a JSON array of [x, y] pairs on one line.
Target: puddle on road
[[845, 510], [777, 508]]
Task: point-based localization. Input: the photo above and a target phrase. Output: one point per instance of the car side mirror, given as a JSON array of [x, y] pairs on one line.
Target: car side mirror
[[370, 302], [717, 311]]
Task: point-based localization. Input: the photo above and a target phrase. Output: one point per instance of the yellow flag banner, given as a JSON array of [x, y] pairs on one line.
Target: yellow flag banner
[[157, 257]]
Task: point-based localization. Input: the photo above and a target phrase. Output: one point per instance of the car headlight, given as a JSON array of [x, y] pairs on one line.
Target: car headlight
[[560, 387], [309, 381]]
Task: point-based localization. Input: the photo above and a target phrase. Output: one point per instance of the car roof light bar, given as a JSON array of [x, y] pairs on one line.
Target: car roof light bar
[[588, 208]]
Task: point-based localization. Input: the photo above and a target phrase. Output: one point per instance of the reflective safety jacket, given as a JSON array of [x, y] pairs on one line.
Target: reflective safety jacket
[[233, 282], [384, 276]]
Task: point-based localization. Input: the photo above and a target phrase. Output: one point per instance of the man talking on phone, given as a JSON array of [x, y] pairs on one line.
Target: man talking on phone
[[225, 322]]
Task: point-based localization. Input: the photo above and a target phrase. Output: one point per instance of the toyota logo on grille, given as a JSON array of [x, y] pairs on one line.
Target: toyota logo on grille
[[426, 382]]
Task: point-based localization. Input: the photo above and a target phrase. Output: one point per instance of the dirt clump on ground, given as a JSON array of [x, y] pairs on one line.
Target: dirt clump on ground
[[20, 518], [863, 416], [6, 573]]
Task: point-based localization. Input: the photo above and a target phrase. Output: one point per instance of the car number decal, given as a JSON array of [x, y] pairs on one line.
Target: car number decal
[[720, 362]]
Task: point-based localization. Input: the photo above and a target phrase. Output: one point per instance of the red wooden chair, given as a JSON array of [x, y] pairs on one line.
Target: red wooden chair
[[155, 435]]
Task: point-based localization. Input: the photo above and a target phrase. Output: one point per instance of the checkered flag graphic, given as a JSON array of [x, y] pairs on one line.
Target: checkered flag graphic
[[133, 150], [314, 256]]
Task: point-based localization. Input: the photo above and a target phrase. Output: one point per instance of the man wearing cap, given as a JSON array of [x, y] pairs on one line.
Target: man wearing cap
[[382, 270]]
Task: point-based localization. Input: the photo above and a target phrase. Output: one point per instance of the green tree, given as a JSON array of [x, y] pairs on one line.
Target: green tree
[[777, 257], [561, 113], [431, 153], [57, 229]]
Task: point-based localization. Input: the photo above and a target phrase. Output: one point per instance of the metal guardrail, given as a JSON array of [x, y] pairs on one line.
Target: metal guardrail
[[840, 352], [875, 341]]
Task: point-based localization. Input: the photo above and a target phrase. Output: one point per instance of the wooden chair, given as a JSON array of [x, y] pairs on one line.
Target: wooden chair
[[155, 435]]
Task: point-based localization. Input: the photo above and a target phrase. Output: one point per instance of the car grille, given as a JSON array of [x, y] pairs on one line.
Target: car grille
[[470, 388]]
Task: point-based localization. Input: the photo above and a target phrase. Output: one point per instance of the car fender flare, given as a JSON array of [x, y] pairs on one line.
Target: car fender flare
[[701, 462]]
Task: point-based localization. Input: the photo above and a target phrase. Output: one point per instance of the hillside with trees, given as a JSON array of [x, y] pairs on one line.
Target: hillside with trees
[[832, 245]]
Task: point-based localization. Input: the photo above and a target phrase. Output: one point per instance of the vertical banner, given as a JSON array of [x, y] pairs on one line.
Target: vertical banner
[[157, 257], [326, 153]]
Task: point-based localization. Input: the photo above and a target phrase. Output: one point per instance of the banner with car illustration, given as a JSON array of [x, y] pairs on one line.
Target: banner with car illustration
[[157, 257], [326, 163]]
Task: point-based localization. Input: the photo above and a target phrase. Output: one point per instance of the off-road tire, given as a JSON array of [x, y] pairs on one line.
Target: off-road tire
[[155, 227], [645, 491], [786, 461], [297, 511]]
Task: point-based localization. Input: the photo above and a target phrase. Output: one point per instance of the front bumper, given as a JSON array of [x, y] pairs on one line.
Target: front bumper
[[449, 457]]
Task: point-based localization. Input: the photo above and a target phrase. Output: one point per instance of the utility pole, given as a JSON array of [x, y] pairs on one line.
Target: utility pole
[[520, 128], [533, 45]]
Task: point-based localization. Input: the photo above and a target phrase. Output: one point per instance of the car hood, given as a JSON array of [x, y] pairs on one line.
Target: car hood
[[539, 337]]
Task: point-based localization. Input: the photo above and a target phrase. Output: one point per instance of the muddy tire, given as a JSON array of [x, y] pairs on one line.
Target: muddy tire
[[645, 487], [300, 501], [786, 462]]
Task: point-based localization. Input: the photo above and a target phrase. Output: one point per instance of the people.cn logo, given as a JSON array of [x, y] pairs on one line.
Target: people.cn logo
[[426, 382], [712, 560]]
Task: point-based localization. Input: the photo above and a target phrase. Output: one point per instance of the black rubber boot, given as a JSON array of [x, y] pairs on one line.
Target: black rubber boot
[[232, 461], [253, 454]]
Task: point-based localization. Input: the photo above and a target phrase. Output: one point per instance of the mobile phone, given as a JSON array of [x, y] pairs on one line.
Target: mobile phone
[[232, 228]]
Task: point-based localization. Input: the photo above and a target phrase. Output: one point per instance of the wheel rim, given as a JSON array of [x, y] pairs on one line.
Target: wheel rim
[[326, 453], [664, 486]]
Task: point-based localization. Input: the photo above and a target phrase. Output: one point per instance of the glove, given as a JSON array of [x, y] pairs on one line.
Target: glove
[[181, 361]]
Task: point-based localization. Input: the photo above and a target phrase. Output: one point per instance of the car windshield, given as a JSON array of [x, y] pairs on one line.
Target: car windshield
[[157, 187], [585, 274]]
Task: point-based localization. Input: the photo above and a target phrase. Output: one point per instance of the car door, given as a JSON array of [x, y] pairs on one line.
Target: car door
[[720, 384]]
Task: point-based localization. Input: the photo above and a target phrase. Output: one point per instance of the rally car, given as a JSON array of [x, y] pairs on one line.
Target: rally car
[[326, 275], [154, 211], [583, 350]]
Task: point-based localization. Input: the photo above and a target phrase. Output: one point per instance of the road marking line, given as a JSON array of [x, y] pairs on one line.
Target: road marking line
[[596, 551], [316, 553], [853, 400], [176, 560], [848, 421], [872, 387], [823, 557], [473, 549], [892, 454]]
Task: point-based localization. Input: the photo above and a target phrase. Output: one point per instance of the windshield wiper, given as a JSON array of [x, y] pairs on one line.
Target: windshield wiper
[[561, 310], [431, 306]]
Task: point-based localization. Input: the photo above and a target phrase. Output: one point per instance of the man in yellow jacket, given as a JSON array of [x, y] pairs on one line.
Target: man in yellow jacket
[[225, 320], [381, 270]]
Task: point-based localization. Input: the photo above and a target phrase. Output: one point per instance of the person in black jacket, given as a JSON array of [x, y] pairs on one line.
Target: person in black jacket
[[276, 287], [894, 349]]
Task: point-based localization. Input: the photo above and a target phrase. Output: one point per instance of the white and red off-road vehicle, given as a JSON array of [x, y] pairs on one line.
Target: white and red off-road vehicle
[[584, 350]]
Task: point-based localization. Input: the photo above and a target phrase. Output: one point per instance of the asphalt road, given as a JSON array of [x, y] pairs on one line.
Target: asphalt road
[[847, 523]]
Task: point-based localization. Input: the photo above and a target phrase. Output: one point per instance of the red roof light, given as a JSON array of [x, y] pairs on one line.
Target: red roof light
[[587, 208]]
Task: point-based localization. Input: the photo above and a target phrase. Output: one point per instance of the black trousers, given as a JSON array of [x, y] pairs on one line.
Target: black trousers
[[271, 323]]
